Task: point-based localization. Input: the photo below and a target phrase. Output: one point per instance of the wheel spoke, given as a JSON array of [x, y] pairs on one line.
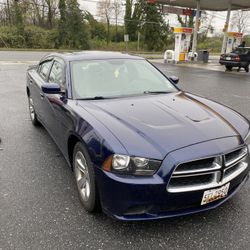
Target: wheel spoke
[[82, 182], [81, 166], [31, 108]]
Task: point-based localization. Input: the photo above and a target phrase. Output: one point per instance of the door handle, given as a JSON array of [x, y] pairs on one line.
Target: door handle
[[42, 95]]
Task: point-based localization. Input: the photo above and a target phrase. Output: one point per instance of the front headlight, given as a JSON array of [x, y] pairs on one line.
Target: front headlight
[[124, 164]]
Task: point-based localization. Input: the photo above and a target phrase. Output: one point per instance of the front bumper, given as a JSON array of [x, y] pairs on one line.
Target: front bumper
[[147, 198]]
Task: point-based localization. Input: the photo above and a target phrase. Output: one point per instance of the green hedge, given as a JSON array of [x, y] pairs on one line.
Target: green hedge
[[120, 46], [31, 37]]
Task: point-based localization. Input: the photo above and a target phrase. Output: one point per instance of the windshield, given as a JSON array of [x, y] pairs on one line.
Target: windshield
[[241, 51], [117, 78]]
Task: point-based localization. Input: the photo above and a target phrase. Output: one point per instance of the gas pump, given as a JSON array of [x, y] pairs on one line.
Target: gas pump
[[182, 43], [234, 39]]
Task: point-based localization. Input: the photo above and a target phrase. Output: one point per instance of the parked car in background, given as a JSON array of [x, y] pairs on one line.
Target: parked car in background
[[240, 57], [140, 148]]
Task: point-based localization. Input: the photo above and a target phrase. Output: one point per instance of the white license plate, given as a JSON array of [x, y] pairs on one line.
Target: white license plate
[[215, 194], [228, 58]]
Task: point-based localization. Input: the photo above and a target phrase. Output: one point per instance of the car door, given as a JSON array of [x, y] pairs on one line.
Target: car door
[[56, 104], [35, 81]]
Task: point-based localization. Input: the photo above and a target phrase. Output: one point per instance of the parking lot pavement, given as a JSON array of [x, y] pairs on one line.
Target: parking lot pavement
[[212, 65], [39, 207]]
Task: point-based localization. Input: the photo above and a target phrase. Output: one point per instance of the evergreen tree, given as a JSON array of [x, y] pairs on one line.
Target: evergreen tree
[[155, 29], [97, 29], [132, 18], [62, 23], [73, 30], [128, 14]]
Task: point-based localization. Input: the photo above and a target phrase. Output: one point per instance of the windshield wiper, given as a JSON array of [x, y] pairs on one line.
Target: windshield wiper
[[156, 92]]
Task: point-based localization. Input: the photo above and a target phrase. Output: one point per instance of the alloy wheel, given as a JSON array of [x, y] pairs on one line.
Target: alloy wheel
[[31, 109], [82, 176]]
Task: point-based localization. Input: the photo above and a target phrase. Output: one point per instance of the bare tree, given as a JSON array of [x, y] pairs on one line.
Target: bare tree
[[241, 21], [105, 11], [37, 17], [51, 11], [207, 25], [40, 12]]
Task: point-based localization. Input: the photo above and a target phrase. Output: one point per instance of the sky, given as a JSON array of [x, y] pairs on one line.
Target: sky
[[218, 20]]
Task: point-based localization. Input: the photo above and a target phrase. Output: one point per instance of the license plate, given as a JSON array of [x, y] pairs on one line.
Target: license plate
[[215, 194], [228, 58]]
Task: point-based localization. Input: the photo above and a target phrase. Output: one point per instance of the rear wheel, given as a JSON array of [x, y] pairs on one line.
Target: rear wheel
[[32, 112], [229, 68], [85, 178], [247, 68]]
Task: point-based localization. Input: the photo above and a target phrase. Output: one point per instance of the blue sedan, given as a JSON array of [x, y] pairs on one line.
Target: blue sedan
[[140, 148]]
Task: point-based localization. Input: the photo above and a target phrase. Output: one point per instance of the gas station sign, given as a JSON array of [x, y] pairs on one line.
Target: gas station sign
[[235, 34], [184, 30], [178, 11]]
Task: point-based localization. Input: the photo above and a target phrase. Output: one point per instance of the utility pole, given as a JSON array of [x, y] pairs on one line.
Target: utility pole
[[224, 44], [196, 27]]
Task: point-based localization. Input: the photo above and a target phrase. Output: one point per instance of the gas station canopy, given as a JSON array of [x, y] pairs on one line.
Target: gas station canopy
[[213, 5]]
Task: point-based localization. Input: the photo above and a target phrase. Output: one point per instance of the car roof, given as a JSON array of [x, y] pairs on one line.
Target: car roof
[[92, 55]]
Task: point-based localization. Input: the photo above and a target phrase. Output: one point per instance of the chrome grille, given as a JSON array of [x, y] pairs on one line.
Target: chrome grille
[[209, 172], [235, 156]]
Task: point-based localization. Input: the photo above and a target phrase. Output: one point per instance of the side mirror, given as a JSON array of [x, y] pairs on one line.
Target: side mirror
[[174, 79], [51, 88]]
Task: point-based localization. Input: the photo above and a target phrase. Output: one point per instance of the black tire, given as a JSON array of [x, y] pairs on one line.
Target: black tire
[[32, 112], [89, 198], [229, 68], [247, 68]]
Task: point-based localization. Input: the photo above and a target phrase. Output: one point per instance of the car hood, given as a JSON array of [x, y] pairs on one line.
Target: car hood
[[155, 125]]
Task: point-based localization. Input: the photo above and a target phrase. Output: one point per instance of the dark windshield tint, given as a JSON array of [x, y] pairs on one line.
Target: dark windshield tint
[[117, 77]]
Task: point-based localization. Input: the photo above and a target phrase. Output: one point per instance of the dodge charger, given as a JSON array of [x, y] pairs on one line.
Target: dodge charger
[[140, 148]]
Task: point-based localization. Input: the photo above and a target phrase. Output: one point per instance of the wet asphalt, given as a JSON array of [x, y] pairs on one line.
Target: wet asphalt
[[39, 206]]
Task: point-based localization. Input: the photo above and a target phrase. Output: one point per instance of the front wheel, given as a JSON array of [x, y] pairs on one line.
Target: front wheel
[[85, 178], [32, 112]]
